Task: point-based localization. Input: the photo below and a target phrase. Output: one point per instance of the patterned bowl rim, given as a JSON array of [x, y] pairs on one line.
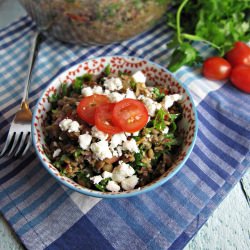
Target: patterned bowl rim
[[99, 194]]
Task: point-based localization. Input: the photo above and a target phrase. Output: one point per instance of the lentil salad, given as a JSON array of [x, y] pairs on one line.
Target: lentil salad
[[119, 161]]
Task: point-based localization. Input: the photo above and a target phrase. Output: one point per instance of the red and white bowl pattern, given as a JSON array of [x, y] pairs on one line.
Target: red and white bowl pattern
[[156, 75]]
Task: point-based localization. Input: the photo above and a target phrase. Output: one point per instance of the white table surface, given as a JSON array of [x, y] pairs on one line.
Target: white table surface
[[227, 228]]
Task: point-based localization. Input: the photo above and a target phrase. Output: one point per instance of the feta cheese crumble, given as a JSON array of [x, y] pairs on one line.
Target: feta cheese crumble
[[113, 186], [96, 179], [130, 94], [139, 77], [87, 91], [113, 83], [101, 150], [165, 130], [122, 171], [56, 152], [116, 97], [69, 125], [131, 146], [169, 100], [117, 139], [84, 141], [129, 183], [107, 174], [95, 132], [74, 127], [150, 104]]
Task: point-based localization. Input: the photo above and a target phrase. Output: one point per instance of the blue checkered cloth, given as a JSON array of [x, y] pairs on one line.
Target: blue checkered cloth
[[46, 215]]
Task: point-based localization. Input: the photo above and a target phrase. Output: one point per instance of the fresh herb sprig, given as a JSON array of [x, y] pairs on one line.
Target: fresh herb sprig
[[214, 22]]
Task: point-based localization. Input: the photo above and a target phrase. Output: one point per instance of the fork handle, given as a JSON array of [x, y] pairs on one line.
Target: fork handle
[[32, 56]]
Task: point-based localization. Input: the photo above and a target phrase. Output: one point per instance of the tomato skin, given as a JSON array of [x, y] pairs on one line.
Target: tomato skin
[[103, 119], [216, 68], [129, 114], [240, 77], [87, 107], [239, 54]]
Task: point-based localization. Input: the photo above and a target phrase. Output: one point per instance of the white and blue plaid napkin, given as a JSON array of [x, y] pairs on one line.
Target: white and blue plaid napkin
[[46, 215]]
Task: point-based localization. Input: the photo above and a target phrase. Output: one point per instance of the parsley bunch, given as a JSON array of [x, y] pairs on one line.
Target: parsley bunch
[[218, 23]]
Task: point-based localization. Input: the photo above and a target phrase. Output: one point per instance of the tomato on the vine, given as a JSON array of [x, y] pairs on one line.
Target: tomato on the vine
[[130, 115], [103, 119], [87, 107], [239, 54], [240, 77], [216, 68]]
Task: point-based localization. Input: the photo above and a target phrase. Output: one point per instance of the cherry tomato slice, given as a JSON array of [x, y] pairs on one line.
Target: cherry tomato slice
[[103, 119], [239, 54], [240, 77], [87, 107], [129, 114], [216, 68]]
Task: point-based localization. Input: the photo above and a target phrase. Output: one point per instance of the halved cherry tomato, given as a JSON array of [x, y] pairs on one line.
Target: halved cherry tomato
[[240, 77], [239, 54], [129, 114], [87, 107], [216, 68], [103, 119]]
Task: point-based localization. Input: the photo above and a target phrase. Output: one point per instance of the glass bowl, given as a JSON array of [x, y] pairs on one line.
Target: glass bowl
[[96, 22]]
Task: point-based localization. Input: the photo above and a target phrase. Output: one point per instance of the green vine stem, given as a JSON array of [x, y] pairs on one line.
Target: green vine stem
[[198, 38], [180, 36], [178, 20]]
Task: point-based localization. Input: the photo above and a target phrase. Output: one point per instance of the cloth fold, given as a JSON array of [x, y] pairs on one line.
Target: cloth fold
[[46, 215]]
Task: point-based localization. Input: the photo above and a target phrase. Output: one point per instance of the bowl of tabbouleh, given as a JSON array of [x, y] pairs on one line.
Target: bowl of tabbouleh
[[114, 126]]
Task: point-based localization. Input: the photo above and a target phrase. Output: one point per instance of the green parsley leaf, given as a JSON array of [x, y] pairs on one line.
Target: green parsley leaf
[[102, 184], [107, 70], [159, 96], [159, 121]]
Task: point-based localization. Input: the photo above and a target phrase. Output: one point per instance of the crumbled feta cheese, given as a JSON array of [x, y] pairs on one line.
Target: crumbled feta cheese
[[130, 94], [116, 151], [113, 83], [84, 141], [101, 150], [97, 90], [122, 171], [96, 179], [129, 183], [57, 152], [165, 130], [169, 100], [74, 127], [107, 91], [139, 77], [131, 146], [126, 169], [87, 91], [106, 174], [68, 124], [95, 132], [113, 186], [136, 133], [116, 97], [117, 139], [65, 124], [150, 104]]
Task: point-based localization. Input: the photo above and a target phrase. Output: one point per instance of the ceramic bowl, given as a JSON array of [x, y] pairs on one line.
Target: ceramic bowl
[[156, 75]]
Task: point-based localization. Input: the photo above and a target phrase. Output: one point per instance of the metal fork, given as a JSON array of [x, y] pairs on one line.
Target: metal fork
[[19, 137]]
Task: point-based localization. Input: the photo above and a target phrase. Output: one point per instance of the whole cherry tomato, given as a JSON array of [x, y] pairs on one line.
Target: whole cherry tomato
[[216, 68], [239, 54], [240, 77]]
